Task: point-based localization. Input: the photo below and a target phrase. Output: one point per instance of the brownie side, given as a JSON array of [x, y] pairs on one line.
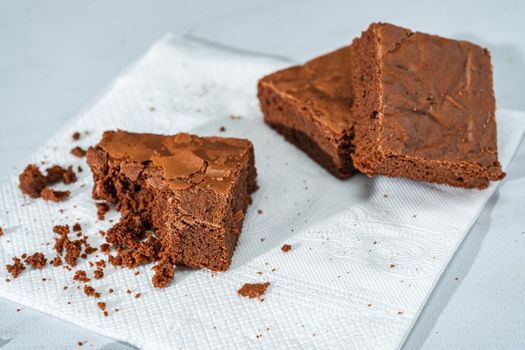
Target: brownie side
[[204, 243], [197, 227], [310, 105], [424, 108], [457, 174], [366, 83], [331, 150]]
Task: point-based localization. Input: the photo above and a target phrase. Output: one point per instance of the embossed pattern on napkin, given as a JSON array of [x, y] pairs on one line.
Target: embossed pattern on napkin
[[365, 253]]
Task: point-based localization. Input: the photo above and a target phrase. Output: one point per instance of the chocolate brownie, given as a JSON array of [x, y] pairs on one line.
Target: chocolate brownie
[[191, 191], [311, 106], [424, 108]]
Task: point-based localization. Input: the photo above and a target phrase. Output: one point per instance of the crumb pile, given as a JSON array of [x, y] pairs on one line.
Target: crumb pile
[[36, 185], [129, 243]]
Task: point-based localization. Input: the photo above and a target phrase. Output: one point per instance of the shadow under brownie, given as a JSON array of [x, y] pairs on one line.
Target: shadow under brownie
[[191, 191]]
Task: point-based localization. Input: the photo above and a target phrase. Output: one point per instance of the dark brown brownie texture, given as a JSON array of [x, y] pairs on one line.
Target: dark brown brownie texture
[[192, 191], [310, 105], [424, 108]]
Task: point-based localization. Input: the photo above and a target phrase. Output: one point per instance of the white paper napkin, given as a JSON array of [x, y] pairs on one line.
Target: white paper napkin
[[366, 253]]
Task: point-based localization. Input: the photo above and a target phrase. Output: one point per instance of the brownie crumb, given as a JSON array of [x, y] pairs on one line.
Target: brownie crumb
[[105, 248], [134, 245], [32, 181], [88, 250], [111, 290], [77, 227], [286, 248], [259, 211], [54, 174], [73, 249], [80, 275], [222, 129], [37, 260], [69, 176], [78, 152], [80, 343], [102, 209], [106, 314], [91, 292], [76, 136], [16, 268], [137, 295], [57, 173], [49, 194], [253, 290], [127, 231], [99, 273], [1, 232], [164, 272], [57, 261], [62, 230], [101, 305], [115, 260]]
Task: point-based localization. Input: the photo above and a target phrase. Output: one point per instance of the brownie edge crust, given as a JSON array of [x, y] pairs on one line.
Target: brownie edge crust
[[191, 191], [424, 108]]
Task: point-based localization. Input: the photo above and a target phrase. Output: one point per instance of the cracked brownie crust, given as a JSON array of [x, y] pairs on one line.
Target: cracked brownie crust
[[425, 108], [310, 105], [192, 191]]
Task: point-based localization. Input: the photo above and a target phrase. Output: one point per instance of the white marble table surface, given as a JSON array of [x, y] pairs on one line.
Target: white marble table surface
[[56, 56]]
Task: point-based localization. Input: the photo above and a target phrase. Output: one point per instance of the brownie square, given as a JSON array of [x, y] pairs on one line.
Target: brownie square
[[424, 108], [310, 105], [192, 191]]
